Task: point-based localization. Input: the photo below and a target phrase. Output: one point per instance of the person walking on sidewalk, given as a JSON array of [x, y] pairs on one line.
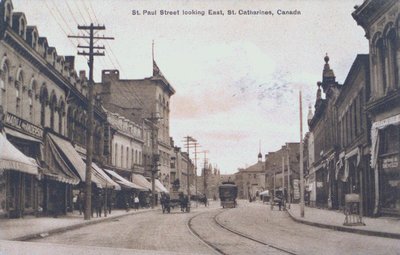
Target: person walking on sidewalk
[[136, 202]]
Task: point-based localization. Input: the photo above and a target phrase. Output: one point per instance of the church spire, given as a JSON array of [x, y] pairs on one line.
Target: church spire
[[259, 152]]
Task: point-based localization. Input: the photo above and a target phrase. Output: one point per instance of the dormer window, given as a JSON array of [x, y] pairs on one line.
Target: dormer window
[[7, 15], [34, 40], [22, 28]]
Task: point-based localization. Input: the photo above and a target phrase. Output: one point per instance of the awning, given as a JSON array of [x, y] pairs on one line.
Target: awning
[[13, 159], [58, 169], [160, 186], [17, 134], [124, 182], [107, 182], [141, 181], [65, 148]]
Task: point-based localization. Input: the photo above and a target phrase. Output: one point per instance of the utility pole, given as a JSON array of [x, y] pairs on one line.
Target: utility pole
[[89, 130], [283, 182], [190, 141], [155, 155], [196, 144], [288, 167], [205, 172], [301, 159]]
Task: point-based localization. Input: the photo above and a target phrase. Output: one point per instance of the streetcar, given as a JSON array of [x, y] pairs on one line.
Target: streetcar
[[227, 194]]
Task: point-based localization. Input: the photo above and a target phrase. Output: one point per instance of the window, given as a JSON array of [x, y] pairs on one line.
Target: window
[[390, 140], [127, 157], [3, 84], [43, 103], [393, 65], [122, 156], [381, 50], [115, 154], [8, 14], [132, 159]]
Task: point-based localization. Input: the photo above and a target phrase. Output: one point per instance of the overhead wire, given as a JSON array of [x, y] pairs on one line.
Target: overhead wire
[[109, 46]]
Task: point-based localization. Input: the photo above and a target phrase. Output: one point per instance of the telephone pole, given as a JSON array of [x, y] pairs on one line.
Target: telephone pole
[[301, 159], [89, 131], [155, 154], [190, 141]]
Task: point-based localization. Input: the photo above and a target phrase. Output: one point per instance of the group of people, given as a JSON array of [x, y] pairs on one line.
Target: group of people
[[98, 202]]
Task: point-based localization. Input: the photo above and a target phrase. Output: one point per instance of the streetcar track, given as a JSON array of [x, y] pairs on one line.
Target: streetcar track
[[209, 244]]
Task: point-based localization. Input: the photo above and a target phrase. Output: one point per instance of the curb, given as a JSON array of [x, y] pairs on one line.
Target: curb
[[75, 226], [346, 229]]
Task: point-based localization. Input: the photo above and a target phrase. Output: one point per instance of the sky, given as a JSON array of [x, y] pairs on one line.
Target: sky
[[237, 77]]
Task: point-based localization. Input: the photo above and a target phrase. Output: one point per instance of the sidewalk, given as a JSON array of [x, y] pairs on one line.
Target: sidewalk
[[382, 226], [31, 227]]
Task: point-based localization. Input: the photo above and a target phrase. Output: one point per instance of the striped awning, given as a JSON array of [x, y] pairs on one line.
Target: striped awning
[[13, 159], [160, 186], [141, 181], [124, 182]]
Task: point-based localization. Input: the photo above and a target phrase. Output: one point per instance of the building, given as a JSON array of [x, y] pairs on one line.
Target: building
[[353, 173], [44, 103], [381, 21], [251, 180], [323, 127], [180, 165], [281, 168], [143, 100]]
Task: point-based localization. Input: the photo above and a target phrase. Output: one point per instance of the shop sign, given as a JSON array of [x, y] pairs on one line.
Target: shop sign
[[390, 162], [23, 125], [296, 189]]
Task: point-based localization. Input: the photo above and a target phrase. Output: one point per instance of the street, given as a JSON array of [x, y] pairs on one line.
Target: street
[[169, 232]]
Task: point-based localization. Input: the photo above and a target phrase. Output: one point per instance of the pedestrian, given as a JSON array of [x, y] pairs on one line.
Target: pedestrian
[[98, 203], [136, 203], [80, 202]]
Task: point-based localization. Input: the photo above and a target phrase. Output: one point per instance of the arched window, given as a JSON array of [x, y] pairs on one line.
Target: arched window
[[127, 157], [61, 115], [70, 122], [115, 154], [53, 108], [31, 98], [4, 76], [7, 15], [122, 156], [44, 100], [392, 54], [22, 28], [381, 54], [19, 83], [132, 159]]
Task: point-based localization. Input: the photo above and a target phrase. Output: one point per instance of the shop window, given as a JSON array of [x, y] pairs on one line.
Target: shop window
[[28, 191], [390, 142]]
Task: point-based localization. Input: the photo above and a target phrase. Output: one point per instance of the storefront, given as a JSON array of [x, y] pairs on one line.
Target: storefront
[[19, 188], [385, 155], [17, 181]]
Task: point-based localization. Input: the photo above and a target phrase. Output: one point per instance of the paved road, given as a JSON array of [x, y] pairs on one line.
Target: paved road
[[158, 232], [227, 242], [148, 231], [275, 227]]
